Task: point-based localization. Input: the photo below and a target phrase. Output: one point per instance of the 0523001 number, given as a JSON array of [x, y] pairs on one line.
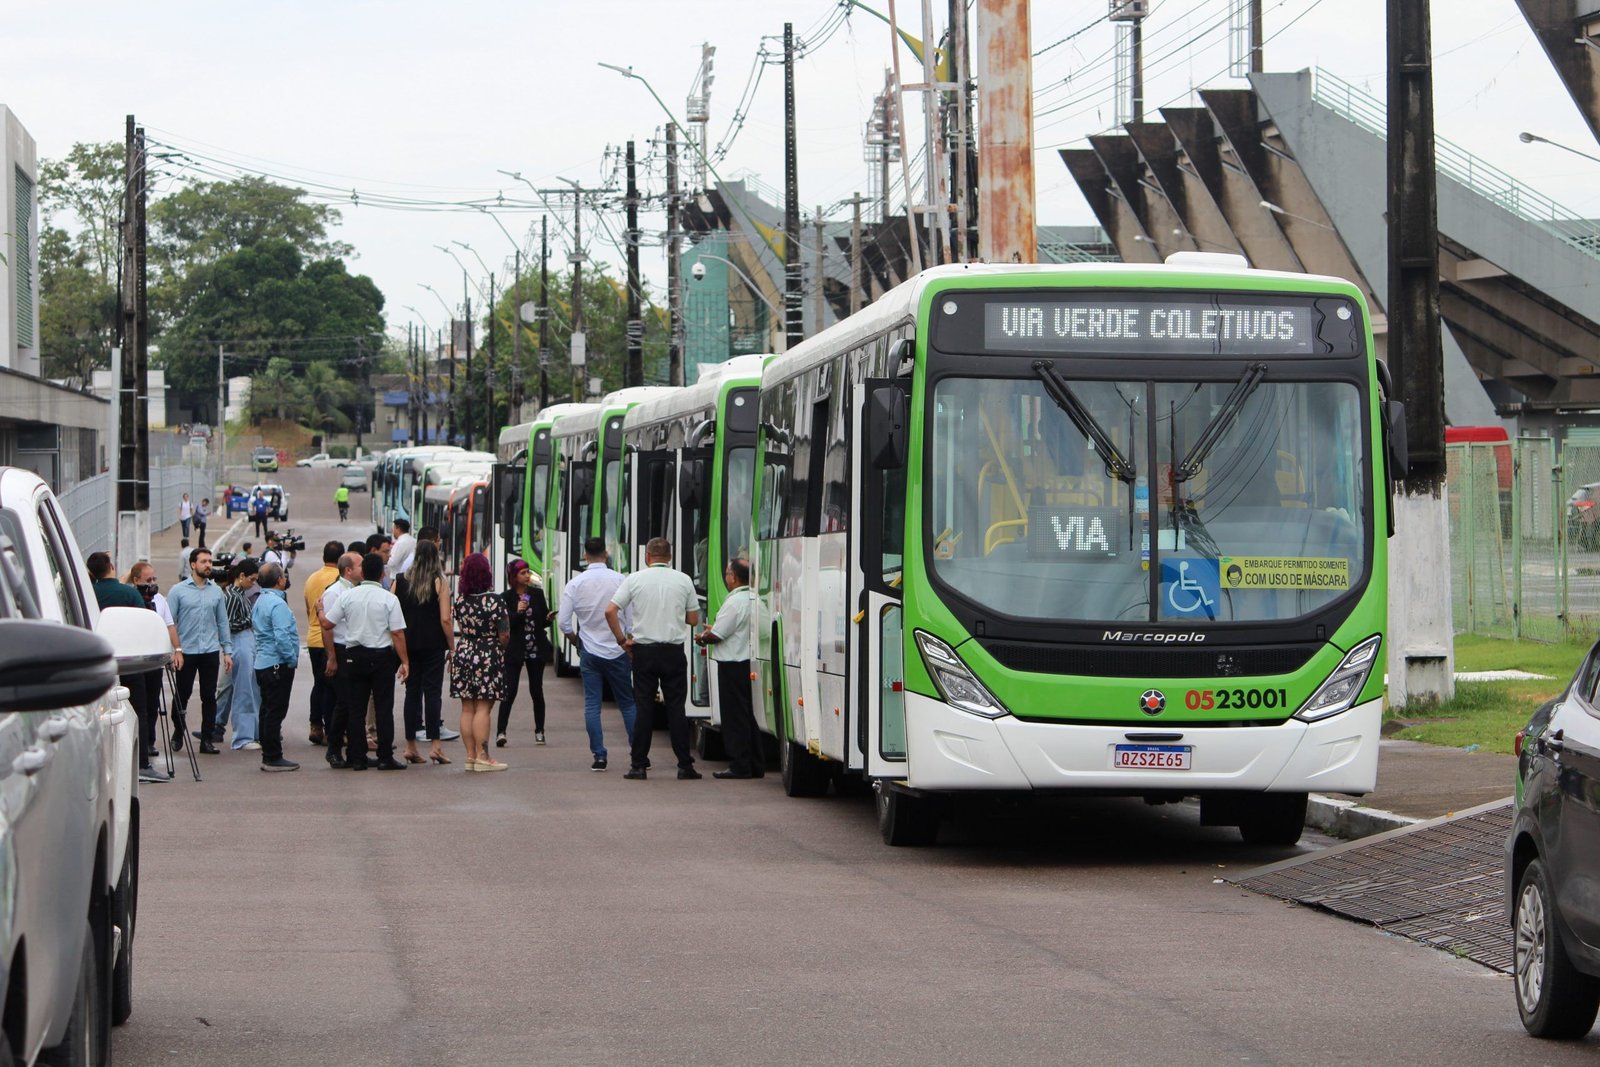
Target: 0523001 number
[[1235, 699]]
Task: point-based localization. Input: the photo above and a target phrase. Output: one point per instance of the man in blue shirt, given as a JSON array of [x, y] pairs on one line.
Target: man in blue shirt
[[201, 616], [277, 656], [601, 659]]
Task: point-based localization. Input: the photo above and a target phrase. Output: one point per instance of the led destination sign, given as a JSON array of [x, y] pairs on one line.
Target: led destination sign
[[1144, 326]]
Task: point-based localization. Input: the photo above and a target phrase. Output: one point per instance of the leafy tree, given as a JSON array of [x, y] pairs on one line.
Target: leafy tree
[[325, 395], [275, 392], [80, 201]]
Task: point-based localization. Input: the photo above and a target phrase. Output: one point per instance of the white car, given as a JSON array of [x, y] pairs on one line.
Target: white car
[[321, 461], [69, 806]]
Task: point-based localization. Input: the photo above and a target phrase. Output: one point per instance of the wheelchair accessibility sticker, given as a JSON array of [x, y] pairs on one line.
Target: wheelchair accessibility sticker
[[1190, 588]]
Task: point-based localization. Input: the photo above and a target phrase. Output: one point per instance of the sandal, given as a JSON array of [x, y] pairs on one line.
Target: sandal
[[412, 757], [438, 757]]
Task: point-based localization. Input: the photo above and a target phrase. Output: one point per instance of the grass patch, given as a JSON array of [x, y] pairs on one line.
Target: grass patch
[[1489, 714]]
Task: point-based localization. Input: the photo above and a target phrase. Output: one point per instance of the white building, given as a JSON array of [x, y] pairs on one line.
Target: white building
[[54, 431]]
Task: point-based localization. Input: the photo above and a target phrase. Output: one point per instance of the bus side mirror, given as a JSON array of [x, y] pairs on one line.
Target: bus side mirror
[[1394, 426], [887, 437]]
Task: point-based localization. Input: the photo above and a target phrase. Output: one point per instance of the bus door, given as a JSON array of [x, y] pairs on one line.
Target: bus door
[[505, 515], [883, 428], [696, 496]]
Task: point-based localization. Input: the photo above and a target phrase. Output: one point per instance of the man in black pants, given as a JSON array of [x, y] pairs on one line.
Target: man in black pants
[[334, 646], [317, 583], [374, 658], [207, 644], [729, 638], [665, 609], [277, 653]]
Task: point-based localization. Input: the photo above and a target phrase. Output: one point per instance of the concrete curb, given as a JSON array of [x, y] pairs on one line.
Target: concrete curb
[[1345, 818], [238, 524]]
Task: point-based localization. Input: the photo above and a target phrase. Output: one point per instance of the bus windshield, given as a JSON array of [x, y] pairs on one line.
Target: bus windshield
[[1254, 497], [739, 488]]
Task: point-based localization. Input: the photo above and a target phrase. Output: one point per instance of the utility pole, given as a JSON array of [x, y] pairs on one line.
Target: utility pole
[[793, 327], [544, 311], [466, 393], [132, 541], [635, 371], [1420, 651], [412, 351], [450, 400], [855, 254], [490, 436], [1136, 69], [674, 252], [366, 390], [514, 412], [1007, 232], [961, 149], [1257, 38], [222, 395], [820, 305], [580, 343]]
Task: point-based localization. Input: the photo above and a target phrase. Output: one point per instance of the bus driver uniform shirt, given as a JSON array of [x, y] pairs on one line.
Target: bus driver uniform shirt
[[660, 599]]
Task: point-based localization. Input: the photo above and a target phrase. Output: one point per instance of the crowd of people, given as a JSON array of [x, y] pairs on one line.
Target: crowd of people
[[382, 614]]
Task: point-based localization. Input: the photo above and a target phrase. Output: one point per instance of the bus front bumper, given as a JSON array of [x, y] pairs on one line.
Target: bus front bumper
[[951, 749]]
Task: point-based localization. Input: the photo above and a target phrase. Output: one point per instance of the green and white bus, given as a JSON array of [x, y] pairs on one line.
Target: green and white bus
[[587, 456], [524, 461], [690, 477], [1105, 528]]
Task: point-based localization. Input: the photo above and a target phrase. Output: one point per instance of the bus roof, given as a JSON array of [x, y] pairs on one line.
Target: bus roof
[[588, 420], [702, 394]]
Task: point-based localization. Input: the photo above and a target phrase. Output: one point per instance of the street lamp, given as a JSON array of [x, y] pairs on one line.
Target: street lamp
[[742, 275], [1268, 205], [1529, 138], [448, 310]]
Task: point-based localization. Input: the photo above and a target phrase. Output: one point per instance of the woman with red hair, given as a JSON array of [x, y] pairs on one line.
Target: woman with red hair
[[477, 667]]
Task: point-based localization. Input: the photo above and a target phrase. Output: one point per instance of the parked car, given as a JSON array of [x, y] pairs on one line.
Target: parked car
[[321, 460], [277, 499], [1553, 861], [354, 479], [1583, 516], [69, 818], [264, 459]]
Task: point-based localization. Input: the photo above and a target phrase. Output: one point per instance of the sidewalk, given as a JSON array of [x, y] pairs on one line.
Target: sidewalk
[[222, 534], [1416, 782]]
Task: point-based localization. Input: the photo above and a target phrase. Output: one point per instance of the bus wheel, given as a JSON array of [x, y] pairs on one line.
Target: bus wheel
[[905, 819], [708, 741], [803, 774], [1275, 819]]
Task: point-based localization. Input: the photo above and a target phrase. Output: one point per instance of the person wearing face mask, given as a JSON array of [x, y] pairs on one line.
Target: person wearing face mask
[[205, 645], [142, 576]]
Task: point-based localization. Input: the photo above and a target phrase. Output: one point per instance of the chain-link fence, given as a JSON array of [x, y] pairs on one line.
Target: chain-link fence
[[90, 506], [1525, 538]]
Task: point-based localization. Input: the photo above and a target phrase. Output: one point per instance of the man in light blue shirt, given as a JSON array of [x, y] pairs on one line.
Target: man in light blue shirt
[[201, 617], [277, 655], [582, 619]]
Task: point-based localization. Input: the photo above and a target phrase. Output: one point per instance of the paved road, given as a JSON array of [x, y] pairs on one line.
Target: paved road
[[551, 914]]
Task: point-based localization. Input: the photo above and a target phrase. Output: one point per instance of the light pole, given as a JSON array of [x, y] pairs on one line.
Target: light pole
[[450, 396], [1267, 205], [1530, 138]]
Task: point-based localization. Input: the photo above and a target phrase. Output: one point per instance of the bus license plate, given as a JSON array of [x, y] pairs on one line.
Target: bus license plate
[[1152, 757]]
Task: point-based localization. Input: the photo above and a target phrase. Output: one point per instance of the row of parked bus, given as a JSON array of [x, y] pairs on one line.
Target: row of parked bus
[[441, 486], [1025, 529]]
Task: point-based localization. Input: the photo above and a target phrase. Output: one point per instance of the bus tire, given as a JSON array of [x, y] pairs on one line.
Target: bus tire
[[803, 774], [905, 820], [1275, 819], [708, 741]]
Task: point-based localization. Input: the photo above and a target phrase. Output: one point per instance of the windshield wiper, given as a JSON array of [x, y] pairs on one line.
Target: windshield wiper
[[1219, 423], [1119, 465]]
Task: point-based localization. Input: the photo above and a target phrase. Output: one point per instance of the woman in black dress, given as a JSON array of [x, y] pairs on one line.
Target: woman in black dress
[[478, 664], [530, 616], [425, 602]]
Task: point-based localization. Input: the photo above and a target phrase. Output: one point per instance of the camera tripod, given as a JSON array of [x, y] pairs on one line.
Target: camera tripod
[[175, 727]]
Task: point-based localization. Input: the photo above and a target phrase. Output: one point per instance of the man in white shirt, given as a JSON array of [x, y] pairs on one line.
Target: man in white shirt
[[665, 609], [582, 619], [373, 659], [276, 554], [400, 553], [333, 643], [729, 639]]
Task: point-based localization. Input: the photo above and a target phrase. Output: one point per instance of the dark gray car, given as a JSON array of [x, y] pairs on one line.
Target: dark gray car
[[1553, 861]]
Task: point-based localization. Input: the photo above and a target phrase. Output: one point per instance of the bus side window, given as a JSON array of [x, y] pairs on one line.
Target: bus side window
[[836, 461], [797, 398]]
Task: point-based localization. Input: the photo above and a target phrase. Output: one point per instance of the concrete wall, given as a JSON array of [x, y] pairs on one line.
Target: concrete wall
[[17, 153]]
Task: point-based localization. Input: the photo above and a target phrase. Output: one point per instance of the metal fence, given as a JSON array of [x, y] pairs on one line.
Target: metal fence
[[1525, 538], [90, 506]]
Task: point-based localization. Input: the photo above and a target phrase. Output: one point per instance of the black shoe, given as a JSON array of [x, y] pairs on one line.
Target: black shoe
[[317, 736], [598, 765], [730, 774], [688, 774], [177, 738], [500, 741], [636, 775], [279, 764], [208, 748], [389, 763], [336, 761], [357, 765], [198, 736]]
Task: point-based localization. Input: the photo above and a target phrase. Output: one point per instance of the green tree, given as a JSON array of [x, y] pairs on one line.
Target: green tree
[[276, 392], [80, 202], [326, 396]]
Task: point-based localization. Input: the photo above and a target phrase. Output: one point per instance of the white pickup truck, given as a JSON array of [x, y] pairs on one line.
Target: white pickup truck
[[69, 805], [321, 461]]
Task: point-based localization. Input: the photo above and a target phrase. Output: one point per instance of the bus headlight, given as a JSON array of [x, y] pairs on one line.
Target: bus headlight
[[1344, 685], [955, 680]]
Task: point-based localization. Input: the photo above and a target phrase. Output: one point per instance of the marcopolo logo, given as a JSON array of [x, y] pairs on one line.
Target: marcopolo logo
[[1129, 637], [1153, 702]]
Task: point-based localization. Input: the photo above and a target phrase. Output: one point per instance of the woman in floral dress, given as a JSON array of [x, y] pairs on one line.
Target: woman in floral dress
[[477, 667]]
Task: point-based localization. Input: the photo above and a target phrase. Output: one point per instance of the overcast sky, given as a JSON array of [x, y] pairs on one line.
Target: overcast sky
[[427, 101]]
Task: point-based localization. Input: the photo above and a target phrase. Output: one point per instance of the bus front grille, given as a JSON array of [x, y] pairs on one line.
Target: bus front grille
[[1094, 661]]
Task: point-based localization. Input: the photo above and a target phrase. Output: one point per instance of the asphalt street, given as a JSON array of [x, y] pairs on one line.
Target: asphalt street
[[550, 914]]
